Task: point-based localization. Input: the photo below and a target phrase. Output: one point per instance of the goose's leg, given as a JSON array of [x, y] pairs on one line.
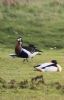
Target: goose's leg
[[25, 60]]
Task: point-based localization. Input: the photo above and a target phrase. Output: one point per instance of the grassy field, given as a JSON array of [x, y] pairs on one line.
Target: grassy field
[[40, 22], [16, 69]]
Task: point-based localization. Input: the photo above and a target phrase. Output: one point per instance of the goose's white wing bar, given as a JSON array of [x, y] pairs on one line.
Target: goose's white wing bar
[[13, 55]]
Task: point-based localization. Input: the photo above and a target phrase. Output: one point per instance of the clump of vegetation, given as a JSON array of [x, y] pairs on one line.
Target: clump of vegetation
[[36, 81], [12, 84], [62, 89], [2, 83], [23, 84], [57, 85]]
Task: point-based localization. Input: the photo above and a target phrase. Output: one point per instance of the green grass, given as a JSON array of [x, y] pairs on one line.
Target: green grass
[[39, 22], [14, 68]]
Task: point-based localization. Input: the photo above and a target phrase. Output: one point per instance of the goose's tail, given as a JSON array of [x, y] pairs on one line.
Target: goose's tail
[[59, 68], [33, 54]]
